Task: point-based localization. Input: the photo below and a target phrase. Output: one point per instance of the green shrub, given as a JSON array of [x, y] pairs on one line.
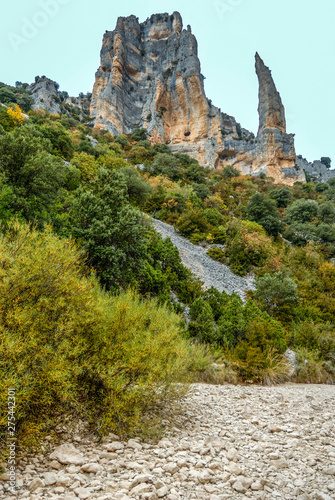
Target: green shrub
[[122, 140], [166, 164], [252, 364], [301, 211], [35, 177], [201, 190], [113, 233], [61, 143], [326, 212], [311, 369], [315, 337], [262, 210], [197, 238], [276, 292], [193, 220], [68, 346], [138, 189], [248, 249], [139, 134], [283, 196], [230, 171], [217, 253]]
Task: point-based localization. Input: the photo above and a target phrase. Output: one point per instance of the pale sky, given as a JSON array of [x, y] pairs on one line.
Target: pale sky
[[296, 38]]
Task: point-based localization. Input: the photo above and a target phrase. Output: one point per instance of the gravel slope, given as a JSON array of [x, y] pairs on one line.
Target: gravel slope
[[211, 272]]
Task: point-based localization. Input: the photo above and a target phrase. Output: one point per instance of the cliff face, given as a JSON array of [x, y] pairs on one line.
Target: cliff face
[[150, 77]]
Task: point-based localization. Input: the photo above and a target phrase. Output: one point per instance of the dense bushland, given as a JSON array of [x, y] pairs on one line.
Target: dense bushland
[[70, 328], [67, 345]]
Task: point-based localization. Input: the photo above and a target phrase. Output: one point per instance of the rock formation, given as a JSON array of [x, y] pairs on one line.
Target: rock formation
[[273, 152], [270, 107], [316, 171], [45, 94], [150, 77]]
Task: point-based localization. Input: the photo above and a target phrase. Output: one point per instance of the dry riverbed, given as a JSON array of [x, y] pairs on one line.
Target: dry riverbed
[[231, 442]]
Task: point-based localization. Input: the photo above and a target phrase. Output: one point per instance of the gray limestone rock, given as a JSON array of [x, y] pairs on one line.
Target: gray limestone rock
[[45, 94], [270, 107]]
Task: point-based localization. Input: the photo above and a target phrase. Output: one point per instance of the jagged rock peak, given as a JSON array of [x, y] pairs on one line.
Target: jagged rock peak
[[271, 110], [44, 91]]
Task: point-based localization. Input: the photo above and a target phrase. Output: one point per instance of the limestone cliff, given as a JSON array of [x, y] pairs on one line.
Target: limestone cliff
[[150, 76]]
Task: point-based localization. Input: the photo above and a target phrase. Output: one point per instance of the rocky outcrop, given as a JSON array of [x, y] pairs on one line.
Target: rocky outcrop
[[150, 76], [273, 152], [317, 171], [270, 107], [45, 94]]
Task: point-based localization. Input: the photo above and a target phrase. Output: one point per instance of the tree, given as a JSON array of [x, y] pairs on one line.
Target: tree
[[32, 173], [301, 211], [138, 189], [201, 190], [166, 164], [113, 233], [275, 291], [202, 325], [326, 161], [326, 212], [139, 134], [282, 196], [262, 210], [61, 142], [230, 172], [122, 140]]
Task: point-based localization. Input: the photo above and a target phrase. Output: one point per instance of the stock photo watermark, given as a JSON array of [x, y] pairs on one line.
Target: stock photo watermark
[[31, 25], [224, 7], [11, 440]]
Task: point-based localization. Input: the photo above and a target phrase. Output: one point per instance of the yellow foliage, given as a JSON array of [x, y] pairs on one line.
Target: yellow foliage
[[16, 115], [215, 201], [67, 345]]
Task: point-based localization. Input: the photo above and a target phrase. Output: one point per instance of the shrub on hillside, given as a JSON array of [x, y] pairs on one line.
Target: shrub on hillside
[[301, 211], [283, 196], [262, 210], [68, 346], [248, 248], [193, 220], [35, 177]]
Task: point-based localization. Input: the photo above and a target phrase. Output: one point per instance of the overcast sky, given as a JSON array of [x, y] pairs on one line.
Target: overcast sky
[[296, 38]]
